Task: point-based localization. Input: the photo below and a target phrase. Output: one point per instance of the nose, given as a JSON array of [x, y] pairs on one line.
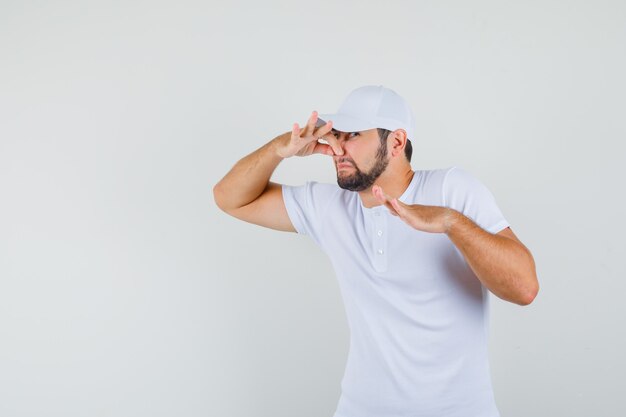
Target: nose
[[341, 139], [342, 158]]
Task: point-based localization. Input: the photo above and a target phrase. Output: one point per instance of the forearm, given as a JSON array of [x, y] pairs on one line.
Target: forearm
[[249, 177], [505, 266]]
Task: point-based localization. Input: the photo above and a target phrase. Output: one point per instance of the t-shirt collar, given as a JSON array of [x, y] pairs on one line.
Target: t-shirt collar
[[405, 195]]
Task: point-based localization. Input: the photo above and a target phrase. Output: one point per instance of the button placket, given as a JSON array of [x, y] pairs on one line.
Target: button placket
[[380, 241]]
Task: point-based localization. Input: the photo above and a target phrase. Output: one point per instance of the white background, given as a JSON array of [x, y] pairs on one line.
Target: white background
[[124, 290]]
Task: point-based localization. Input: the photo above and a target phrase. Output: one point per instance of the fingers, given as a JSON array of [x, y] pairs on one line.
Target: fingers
[[323, 149], [396, 205], [379, 194], [295, 130], [310, 125], [325, 129], [309, 132], [391, 204], [334, 143], [323, 132]]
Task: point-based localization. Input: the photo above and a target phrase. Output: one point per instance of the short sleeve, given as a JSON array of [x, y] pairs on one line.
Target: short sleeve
[[306, 205], [466, 194]]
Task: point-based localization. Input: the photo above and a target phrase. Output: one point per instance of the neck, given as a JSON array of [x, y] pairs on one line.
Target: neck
[[394, 184]]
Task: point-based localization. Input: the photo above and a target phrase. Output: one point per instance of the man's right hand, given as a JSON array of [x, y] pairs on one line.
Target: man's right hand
[[304, 142]]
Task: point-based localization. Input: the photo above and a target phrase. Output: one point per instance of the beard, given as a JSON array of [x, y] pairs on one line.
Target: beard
[[359, 180]]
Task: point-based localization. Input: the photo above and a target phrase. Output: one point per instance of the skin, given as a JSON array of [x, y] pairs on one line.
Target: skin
[[500, 261], [350, 176]]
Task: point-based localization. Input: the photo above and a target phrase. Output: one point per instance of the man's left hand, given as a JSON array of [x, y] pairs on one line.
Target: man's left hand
[[432, 219]]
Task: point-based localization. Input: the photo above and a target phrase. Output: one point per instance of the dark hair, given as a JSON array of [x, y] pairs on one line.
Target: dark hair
[[408, 149]]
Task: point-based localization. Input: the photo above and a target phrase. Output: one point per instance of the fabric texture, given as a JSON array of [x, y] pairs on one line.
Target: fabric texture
[[418, 315]]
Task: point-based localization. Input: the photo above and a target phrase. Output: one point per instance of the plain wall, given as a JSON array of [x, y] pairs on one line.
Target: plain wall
[[124, 290]]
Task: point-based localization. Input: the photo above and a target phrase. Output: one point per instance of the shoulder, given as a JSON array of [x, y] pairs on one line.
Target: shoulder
[[460, 187], [307, 204], [430, 182], [457, 177], [455, 172], [435, 175], [312, 193], [447, 186], [314, 188]]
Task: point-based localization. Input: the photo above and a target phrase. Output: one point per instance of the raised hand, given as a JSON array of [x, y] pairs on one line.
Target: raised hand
[[432, 219], [305, 141]]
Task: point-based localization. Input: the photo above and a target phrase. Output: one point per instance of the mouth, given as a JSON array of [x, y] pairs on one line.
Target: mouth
[[344, 165]]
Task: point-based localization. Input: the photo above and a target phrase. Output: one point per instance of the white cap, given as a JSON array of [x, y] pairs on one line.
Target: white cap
[[371, 107]]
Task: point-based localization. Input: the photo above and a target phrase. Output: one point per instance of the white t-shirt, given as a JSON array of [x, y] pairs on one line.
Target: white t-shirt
[[418, 315]]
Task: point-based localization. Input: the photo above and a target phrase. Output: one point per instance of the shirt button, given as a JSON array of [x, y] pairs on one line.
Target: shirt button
[[377, 214], [380, 233], [380, 251]]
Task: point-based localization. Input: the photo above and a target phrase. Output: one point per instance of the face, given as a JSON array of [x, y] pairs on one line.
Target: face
[[364, 159]]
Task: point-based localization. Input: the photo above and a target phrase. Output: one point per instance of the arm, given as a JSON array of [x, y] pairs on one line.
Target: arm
[[501, 262], [246, 193], [248, 178]]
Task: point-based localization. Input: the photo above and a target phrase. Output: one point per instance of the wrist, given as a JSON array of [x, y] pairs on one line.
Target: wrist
[[278, 144]]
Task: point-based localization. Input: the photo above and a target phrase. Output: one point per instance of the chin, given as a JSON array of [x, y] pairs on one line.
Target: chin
[[350, 186]]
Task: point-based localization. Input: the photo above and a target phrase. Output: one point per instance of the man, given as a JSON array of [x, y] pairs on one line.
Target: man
[[415, 253]]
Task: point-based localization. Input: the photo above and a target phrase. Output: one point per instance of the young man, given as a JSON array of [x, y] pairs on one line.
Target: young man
[[415, 253]]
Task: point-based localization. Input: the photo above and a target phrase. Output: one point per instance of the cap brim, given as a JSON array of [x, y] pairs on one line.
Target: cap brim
[[344, 123]]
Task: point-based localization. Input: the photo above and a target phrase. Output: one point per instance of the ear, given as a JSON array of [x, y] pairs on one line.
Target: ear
[[398, 142]]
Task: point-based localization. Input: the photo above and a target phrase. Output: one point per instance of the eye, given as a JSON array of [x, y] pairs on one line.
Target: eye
[[353, 133]]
